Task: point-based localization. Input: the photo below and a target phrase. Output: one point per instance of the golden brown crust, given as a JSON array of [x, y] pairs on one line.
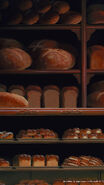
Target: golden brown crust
[[50, 157], [33, 87], [71, 17], [4, 163], [44, 7], [24, 156], [14, 58], [16, 87], [30, 18], [73, 88], [12, 100], [53, 87], [38, 157], [61, 7]]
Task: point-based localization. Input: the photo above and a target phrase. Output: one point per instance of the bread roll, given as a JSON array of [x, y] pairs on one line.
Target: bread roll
[[14, 18], [17, 89], [61, 7], [71, 17], [34, 94], [9, 43], [4, 163], [14, 59], [51, 97], [10, 100], [96, 57], [69, 97], [24, 5], [30, 17], [55, 59], [4, 4], [50, 17]]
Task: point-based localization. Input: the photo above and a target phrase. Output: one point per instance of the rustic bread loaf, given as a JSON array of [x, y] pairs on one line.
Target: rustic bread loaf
[[55, 59], [10, 43], [71, 17], [44, 6], [50, 17], [11, 100], [61, 7], [30, 17], [96, 57], [69, 97], [14, 59]]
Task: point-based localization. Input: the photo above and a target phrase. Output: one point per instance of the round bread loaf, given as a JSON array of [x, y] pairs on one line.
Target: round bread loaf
[[30, 17], [14, 58], [61, 7], [9, 43], [96, 57], [71, 17], [12, 100], [24, 5], [4, 4], [55, 59], [50, 17], [14, 18], [96, 17]]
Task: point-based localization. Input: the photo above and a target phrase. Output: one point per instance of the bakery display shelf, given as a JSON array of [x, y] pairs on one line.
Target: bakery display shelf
[[81, 168], [33, 71], [40, 27], [95, 26], [51, 111], [51, 141], [94, 71]]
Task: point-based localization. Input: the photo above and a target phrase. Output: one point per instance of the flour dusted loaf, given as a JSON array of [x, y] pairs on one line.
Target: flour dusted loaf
[[71, 17], [55, 59], [10, 43], [69, 97], [14, 58], [11, 100], [96, 57]]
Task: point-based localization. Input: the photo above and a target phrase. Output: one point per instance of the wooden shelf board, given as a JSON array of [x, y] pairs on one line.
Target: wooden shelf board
[[95, 26], [51, 112], [94, 71], [31, 71]]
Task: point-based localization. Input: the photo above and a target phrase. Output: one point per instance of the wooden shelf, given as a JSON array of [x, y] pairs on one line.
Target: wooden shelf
[[40, 27], [94, 71], [95, 26], [13, 168], [32, 71], [51, 112]]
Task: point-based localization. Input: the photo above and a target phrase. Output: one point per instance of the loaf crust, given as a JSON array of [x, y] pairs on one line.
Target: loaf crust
[[14, 18], [24, 5], [55, 59], [50, 17], [14, 58], [12, 100], [71, 17], [30, 17], [61, 7]]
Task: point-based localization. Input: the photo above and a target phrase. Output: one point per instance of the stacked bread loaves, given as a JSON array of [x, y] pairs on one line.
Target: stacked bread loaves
[[95, 14], [38, 12]]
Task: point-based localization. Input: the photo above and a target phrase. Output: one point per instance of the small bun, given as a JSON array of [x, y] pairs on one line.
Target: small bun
[[71, 17], [61, 7]]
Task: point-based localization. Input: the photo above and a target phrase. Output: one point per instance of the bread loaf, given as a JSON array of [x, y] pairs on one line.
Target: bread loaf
[[61, 7], [22, 160], [52, 160], [30, 17], [44, 6], [24, 5], [96, 57], [51, 97], [58, 182], [10, 100], [71, 17], [55, 59], [14, 59], [17, 89], [38, 161], [9, 43], [34, 94], [69, 97], [50, 17]]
